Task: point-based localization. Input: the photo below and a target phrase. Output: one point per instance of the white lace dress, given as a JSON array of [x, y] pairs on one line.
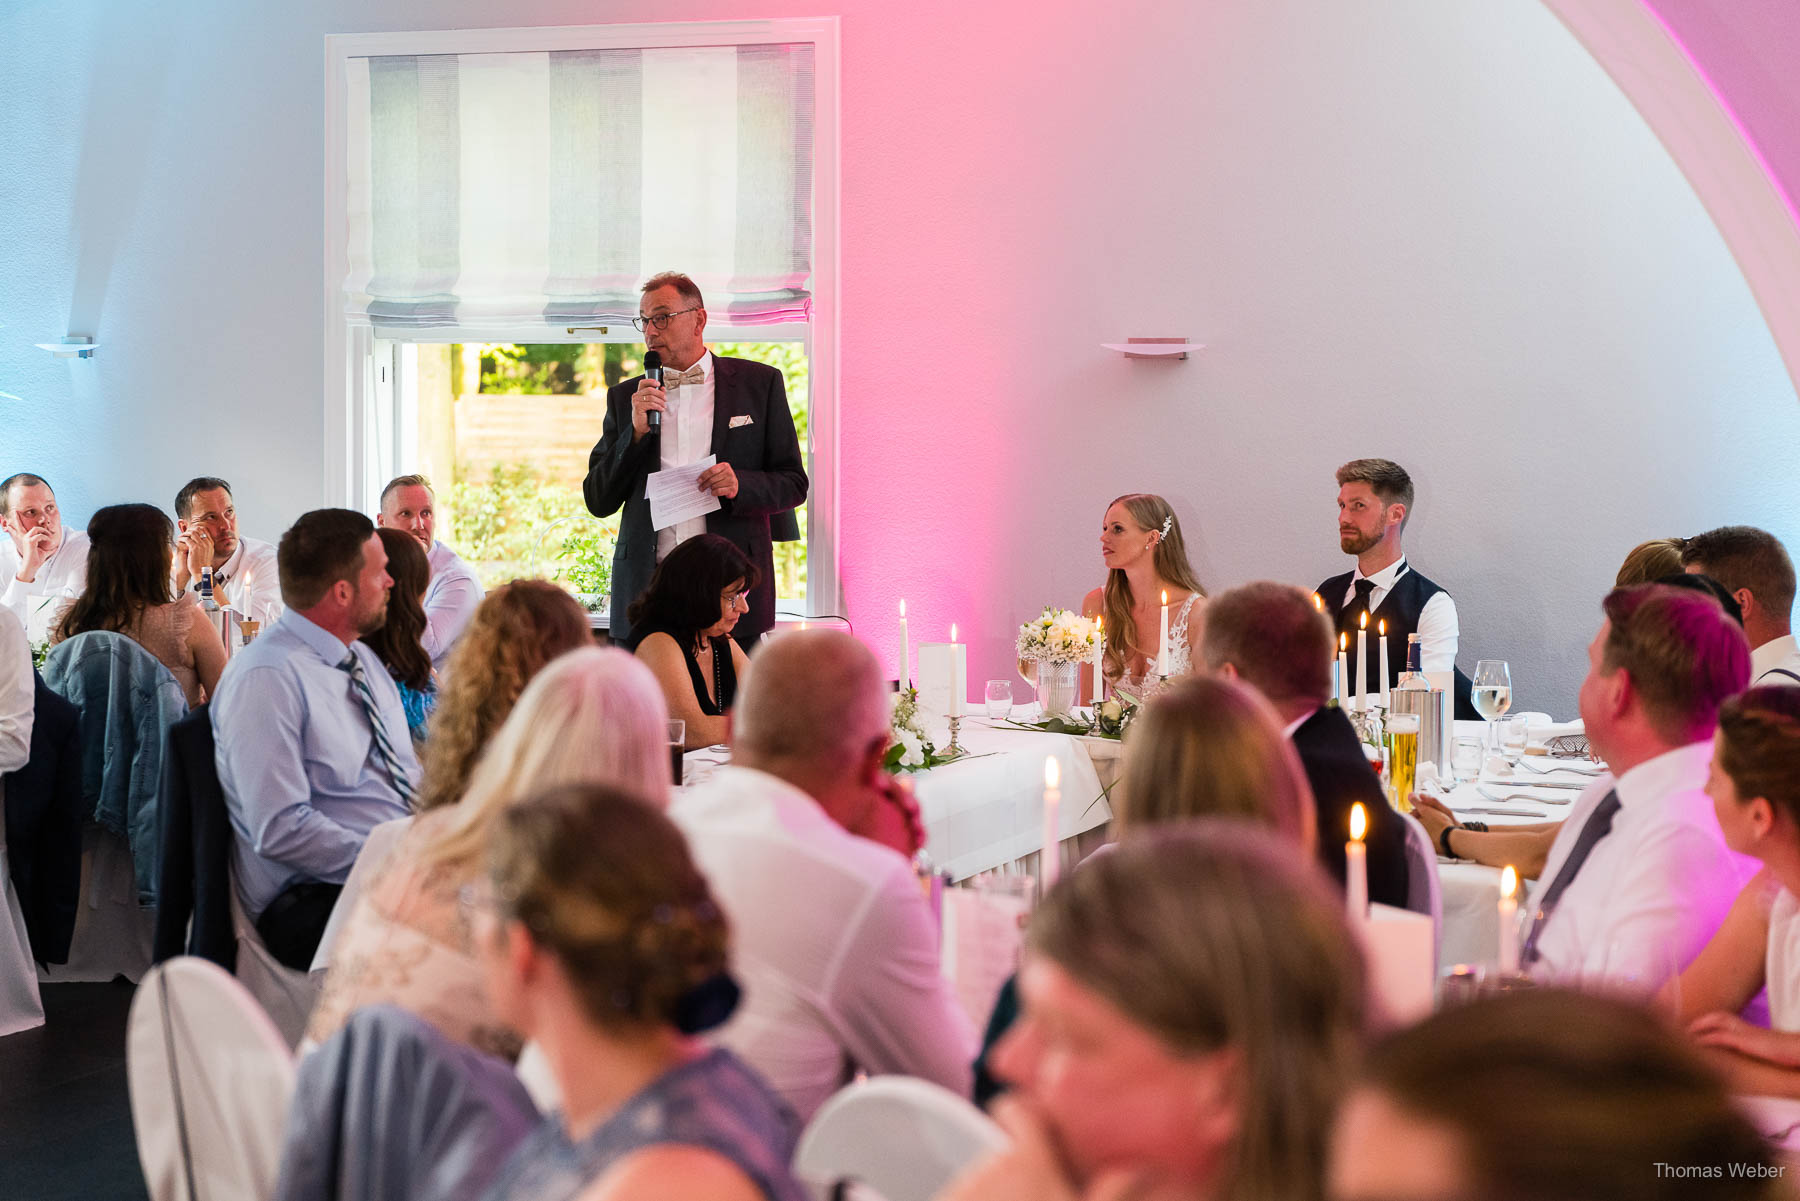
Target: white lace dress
[[1140, 678]]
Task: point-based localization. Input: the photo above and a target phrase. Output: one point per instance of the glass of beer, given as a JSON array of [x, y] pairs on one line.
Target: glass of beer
[[1403, 757]]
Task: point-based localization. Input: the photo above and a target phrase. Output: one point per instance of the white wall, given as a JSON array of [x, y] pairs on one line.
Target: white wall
[[1428, 231]]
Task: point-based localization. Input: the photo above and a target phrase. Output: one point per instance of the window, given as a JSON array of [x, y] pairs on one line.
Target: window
[[495, 207]]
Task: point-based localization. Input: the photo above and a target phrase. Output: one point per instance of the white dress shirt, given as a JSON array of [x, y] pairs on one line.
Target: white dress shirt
[[1776, 654], [1653, 891], [1438, 630], [250, 582], [686, 437], [832, 942], [62, 575], [18, 702], [450, 603]]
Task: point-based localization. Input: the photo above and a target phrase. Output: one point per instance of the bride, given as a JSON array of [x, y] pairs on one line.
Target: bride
[[1141, 545]]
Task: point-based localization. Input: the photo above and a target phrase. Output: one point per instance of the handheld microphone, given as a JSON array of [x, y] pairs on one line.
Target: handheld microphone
[[653, 373]]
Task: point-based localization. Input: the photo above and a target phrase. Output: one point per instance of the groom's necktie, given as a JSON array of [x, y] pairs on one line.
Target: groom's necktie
[[1365, 588], [1599, 825], [384, 750]]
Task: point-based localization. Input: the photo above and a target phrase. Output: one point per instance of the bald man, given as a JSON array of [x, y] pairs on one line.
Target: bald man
[[833, 942]]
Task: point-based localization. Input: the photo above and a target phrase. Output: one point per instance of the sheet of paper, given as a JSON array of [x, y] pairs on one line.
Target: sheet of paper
[[674, 493]]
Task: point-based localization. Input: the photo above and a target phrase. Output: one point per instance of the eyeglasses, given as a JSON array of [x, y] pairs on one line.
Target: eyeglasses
[[660, 320], [735, 598]]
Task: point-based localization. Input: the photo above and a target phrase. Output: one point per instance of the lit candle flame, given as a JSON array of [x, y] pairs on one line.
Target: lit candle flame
[[1100, 623], [1165, 597], [1359, 821], [953, 631], [1364, 623], [1381, 627], [903, 608], [1318, 602], [1509, 882], [1343, 642], [1052, 773]]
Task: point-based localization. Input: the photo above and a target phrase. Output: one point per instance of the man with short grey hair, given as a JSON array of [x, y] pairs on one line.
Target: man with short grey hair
[[832, 938], [409, 504]]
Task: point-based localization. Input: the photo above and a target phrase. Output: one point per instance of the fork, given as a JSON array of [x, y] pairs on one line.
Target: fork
[[1521, 796], [1593, 769]]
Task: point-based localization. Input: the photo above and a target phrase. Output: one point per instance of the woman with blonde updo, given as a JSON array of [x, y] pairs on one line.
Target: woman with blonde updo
[[595, 715], [601, 942], [1145, 557], [519, 628], [1755, 788]]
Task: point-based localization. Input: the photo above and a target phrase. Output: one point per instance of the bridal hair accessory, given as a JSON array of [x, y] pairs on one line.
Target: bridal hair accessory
[[1167, 522]]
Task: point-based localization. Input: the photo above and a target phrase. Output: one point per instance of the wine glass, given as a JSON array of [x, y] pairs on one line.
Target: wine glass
[[1491, 693]]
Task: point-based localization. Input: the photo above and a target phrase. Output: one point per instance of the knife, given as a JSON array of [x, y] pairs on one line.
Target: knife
[[1503, 812], [1531, 782]]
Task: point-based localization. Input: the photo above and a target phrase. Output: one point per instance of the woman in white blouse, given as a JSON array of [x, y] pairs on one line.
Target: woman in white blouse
[[1755, 786]]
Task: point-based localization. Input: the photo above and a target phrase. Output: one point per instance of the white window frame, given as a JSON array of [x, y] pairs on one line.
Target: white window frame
[[353, 385]]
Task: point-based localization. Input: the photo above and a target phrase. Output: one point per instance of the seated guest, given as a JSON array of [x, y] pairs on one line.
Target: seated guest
[[519, 628], [1755, 787], [1145, 557], [594, 716], [1639, 876], [1649, 561], [18, 693], [1375, 500], [836, 947], [311, 738], [407, 503], [1754, 567], [1272, 638], [41, 562], [1193, 1004], [1206, 747], [397, 643], [683, 625], [245, 576], [1546, 1095], [128, 593], [603, 943]]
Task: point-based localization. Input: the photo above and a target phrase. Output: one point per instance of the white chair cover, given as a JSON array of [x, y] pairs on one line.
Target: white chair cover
[[20, 1006], [286, 994], [904, 1138], [1424, 894], [210, 1081], [114, 935]]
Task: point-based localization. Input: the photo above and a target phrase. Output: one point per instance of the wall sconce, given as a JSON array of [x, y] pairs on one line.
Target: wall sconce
[[71, 348], [1154, 348]]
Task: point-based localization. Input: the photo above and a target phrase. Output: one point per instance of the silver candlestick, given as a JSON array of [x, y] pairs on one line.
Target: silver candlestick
[[955, 748]]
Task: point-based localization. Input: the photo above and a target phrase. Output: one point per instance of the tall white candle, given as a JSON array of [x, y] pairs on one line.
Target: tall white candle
[[1362, 664], [959, 675], [1162, 643], [1382, 684], [1343, 673], [1051, 856], [1509, 920], [1099, 658], [1356, 866], [905, 652]]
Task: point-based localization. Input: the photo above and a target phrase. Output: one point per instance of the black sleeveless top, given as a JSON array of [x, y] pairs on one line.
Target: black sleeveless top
[[1401, 609], [724, 671]]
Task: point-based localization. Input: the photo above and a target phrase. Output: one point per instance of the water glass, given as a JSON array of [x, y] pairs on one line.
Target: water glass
[[1465, 759], [677, 747], [999, 699], [1515, 733]]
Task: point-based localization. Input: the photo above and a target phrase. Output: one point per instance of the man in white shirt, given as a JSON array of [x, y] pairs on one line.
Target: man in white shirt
[[41, 563], [408, 503], [245, 574], [1375, 501], [18, 700], [1639, 877], [1754, 567], [832, 940]]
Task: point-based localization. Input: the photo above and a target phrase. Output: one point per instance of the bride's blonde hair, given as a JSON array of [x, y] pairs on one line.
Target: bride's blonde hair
[[1152, 513]]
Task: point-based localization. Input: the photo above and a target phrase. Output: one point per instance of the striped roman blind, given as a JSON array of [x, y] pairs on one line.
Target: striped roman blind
[[538, 189]]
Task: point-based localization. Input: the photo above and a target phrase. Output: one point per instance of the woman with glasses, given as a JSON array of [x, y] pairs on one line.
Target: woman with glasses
[[682, 630]]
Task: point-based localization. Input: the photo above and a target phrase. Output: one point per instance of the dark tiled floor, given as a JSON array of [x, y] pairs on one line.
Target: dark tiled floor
[[65, 1115]]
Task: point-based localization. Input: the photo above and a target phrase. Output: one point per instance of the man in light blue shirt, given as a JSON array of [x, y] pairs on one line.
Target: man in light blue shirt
[[312, 746]]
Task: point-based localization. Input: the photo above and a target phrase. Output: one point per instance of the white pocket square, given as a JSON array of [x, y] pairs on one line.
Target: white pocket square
[[741, 419]]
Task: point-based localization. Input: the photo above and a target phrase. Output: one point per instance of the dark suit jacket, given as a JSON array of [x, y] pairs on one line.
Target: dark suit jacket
[[195, 835], [1340, 776], [45, 810], [771, 473]]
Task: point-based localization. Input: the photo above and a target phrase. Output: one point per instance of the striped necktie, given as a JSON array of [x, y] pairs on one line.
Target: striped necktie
[[384, 750]]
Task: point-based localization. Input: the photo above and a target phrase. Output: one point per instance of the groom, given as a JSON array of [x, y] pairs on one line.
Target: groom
[[733, 408], [1375, 497]]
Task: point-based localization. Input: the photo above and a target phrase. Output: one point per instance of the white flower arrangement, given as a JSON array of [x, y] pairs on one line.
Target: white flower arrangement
[[912, 750], [1058, 636]]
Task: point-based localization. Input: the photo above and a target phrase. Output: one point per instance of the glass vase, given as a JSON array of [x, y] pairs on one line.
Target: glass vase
[[1057, 688]]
